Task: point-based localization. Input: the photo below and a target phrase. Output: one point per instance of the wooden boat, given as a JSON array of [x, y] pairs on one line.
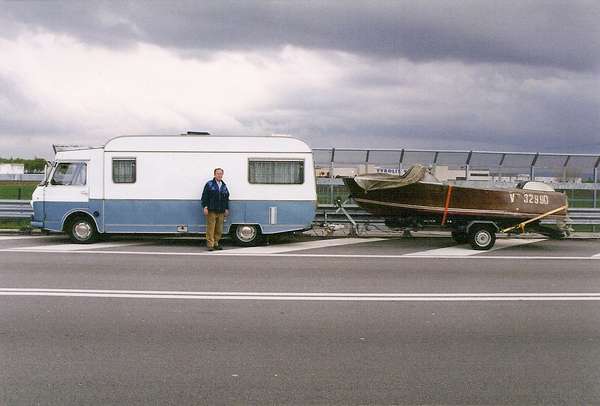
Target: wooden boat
[[417, 198]]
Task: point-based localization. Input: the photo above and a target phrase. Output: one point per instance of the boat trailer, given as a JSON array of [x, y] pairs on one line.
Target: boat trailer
[[480, 233]]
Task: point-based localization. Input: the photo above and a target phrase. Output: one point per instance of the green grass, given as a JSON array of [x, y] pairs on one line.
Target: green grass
[[580, 198], [15, 224], [15, 190], [586, 228], [324, 193]]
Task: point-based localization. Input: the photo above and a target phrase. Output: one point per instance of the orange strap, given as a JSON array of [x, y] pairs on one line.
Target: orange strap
[[445, 216]]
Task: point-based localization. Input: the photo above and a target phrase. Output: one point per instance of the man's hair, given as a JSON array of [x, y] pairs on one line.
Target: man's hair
[[218, 169]]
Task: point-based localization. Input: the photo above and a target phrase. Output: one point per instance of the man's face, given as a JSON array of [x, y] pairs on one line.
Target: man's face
[[219, 175]]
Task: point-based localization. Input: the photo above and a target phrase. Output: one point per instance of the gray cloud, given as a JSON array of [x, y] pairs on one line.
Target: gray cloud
[[512, 75], [477, 108], [546, 33]]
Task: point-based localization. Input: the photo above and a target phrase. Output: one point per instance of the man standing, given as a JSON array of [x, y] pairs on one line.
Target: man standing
[[215, 201]]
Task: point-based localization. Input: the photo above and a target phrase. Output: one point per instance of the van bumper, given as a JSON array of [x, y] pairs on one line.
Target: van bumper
[[37, 224]]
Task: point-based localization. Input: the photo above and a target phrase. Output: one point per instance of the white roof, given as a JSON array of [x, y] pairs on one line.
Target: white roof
[[206, 143]]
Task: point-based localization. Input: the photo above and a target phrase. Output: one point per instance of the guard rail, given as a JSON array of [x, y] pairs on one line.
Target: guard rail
[[329, 214], [326, 213], [15, 209]]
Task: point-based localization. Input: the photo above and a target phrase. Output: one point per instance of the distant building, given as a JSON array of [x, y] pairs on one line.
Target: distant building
[[325, 171], [524, 176], [444, 173], [342, 171], [12, 169]]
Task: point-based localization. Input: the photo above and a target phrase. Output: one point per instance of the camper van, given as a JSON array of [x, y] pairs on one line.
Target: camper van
[[153, 185]]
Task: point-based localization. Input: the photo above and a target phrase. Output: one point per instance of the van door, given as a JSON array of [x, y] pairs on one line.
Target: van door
[[66, 191]]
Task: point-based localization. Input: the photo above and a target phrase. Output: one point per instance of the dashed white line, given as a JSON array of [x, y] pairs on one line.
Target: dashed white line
[[465, 250], [275, 249], [302, 296]]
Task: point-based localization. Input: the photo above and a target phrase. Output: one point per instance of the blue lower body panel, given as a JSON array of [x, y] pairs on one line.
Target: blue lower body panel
[[52, 215], [168, 216]]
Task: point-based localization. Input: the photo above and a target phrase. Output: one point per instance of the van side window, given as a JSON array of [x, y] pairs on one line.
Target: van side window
[[123, 170], [276, 171], [70, 174]]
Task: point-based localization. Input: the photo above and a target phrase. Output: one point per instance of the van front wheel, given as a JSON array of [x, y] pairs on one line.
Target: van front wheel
[[82, 230], [246, 235]]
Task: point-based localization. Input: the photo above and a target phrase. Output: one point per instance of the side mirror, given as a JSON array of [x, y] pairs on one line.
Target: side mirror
[[47, 169]]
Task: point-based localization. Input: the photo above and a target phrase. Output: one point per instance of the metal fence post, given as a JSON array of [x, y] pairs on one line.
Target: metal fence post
[[500, 167], [595, 194], [596, 182], [468, 165], [532, 167], [401, 162], [331, 177], [595, 198]]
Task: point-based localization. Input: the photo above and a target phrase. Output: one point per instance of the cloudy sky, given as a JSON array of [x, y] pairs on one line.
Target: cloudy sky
[[514, 75]]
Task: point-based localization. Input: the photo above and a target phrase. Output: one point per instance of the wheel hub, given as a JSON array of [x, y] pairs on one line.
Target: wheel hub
[[483, 238], [82, 230], [246, 233]]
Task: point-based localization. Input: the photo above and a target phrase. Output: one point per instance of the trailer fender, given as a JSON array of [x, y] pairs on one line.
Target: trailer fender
[[472, 223]]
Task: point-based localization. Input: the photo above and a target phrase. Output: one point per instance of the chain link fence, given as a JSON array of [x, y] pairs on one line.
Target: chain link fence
[[574, 174]]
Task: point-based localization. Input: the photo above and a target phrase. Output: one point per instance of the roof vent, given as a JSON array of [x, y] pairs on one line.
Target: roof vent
[[198, 133]]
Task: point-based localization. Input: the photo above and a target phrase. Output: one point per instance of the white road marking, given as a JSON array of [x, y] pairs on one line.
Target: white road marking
[[77, 247], [25, 237], [466, 250], [297, 246], [284, 255], [596, 256], [302, 296]]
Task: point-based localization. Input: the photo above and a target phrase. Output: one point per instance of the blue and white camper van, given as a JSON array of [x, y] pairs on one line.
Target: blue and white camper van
[[153, 184]]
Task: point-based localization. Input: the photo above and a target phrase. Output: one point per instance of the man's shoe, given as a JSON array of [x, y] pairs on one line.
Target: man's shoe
[[218, 247], [211, 248]]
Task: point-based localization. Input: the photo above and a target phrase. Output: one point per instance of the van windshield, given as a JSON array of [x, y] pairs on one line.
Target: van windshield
[[70, 174]]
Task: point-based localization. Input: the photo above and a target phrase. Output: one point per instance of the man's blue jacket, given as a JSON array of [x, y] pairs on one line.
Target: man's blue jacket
[[216, 200]]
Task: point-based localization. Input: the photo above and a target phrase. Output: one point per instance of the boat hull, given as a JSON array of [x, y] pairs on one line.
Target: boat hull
[[447, 203]]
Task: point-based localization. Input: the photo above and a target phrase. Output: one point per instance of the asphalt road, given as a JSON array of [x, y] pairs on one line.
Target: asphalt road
[[164, 322]]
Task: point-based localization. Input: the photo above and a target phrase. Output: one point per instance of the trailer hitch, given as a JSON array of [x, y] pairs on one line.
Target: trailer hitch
[[340, 208]]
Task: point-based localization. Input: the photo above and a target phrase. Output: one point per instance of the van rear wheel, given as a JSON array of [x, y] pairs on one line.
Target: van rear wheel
[[82, 230], [246, 235]]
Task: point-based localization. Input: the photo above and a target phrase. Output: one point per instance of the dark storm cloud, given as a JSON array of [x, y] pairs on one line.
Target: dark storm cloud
[[505, 75], [550, 33], [486, 108]]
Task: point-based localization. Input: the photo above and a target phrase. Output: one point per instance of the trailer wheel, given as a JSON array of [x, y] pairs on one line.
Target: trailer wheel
[[82, 230], [246, 235], [482, 237], [460, 237]]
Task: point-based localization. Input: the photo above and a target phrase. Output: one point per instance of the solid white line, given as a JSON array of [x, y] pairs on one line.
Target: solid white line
[[238, 293], [284, 255], [275, 249], [466, 250], [301, 296]]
